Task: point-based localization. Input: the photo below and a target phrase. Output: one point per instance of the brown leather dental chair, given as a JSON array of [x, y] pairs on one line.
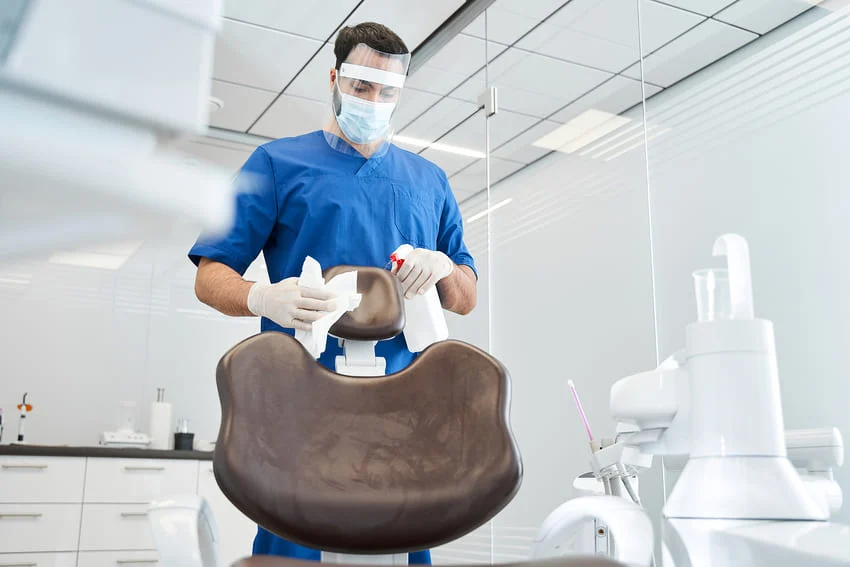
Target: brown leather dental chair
[[377, 466]]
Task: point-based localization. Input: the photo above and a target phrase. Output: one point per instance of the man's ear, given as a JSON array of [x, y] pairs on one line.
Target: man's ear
[[333, 76]]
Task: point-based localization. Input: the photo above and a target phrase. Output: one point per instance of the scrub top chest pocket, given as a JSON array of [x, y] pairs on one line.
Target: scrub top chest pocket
[[416, 215]]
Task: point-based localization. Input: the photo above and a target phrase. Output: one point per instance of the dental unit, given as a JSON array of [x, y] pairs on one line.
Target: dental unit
[[750, 492], [363, 466]]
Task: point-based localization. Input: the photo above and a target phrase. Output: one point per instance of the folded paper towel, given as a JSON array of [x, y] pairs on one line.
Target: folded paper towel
[[347, 299]]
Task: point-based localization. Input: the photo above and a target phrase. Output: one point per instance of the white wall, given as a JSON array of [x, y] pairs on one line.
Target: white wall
[[758, 146], [82, 339]]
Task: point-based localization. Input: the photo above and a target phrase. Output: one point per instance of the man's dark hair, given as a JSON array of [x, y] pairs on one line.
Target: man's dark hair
[[378, 37]]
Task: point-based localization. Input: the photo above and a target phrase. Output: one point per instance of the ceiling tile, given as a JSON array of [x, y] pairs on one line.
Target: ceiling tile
[[761, 16], [704, 7], [316, 19], [705, 44], [617, 21], [412, 21], [660, 24], [242, 105], [259, 57], [534, 84], [503, 126], [411, 105], [614, 96], [452, 65], [508, 20], [449, 163], [520, 148], [314, 81], [445, 115], [291, 116], [570, 45]]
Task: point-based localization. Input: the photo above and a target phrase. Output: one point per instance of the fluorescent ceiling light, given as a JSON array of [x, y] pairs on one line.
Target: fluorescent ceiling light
[[582, 130], [88, 260], [105, 256], [439, 147], [499, 205]]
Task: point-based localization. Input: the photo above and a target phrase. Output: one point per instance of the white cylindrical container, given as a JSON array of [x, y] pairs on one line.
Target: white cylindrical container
[[425, 321], [736, 408], [160, 422]]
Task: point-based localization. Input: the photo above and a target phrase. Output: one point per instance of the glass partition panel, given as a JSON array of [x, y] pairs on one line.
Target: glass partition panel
[[449, 129], [569, 249], [747, 131]]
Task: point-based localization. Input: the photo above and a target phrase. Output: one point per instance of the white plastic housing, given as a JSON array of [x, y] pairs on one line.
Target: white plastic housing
[[816, 450], [628, 525], [747, 488], [738, 467], [184, 531], [147, 61], [712, 543], [736, 408]]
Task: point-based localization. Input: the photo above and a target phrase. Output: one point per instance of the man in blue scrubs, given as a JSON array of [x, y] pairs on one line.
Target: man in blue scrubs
[[343, 195]]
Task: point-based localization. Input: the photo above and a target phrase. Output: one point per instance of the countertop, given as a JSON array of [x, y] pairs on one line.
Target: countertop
[[100, 451]]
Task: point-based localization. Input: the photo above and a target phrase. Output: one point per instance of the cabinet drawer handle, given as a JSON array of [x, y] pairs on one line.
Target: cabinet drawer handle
[[22, 515], [132, 561], [24, 466], [142, 468], [18, 564], [134, 514]]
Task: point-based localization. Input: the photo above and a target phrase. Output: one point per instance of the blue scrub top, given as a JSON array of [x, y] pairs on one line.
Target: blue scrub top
[[300, 197]]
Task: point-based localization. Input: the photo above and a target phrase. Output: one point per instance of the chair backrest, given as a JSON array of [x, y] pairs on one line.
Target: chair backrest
[[381, 465], [380, 315]]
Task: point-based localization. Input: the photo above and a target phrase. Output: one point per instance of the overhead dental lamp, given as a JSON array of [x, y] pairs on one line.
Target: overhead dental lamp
[[91, 95]]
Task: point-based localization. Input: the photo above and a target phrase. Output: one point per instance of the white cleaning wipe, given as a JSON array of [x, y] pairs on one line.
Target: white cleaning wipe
[[345, 287]]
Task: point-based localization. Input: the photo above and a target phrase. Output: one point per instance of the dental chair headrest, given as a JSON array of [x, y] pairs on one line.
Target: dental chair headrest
[[381, 465], [380, 315]]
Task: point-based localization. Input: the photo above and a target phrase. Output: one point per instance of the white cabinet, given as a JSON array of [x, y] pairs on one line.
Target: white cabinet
[[92, 511], [108, 527], [39, 527], [38, 560], [50, 480], [138, 480], [117, 559]]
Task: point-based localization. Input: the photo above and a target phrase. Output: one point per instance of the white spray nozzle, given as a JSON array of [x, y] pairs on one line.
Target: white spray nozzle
[[737, 253]]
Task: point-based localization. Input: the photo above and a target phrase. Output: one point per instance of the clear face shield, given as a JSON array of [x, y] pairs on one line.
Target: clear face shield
[[364, 97]]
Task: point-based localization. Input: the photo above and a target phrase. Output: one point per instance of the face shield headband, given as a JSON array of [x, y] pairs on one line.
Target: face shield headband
[[367, 92]]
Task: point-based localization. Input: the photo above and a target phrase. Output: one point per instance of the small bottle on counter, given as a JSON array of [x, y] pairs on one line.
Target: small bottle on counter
[[183, 440]]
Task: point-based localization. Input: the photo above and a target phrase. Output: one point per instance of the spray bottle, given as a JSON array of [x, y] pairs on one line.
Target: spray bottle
[[425, 320]]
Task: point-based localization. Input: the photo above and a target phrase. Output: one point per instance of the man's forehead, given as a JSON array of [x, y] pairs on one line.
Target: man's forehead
[[368, 57]]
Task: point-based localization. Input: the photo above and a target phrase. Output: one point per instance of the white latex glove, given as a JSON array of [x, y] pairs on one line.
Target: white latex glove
[[421, 270], [289, 305]]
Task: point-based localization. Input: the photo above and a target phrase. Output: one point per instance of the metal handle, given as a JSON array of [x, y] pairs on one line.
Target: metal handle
[[126, 561], [24, 466], [18, 564], [134, 514], [143, 468], [22, 515]]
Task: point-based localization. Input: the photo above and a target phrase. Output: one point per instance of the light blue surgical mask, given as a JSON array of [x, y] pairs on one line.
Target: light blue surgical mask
[[362, 121]]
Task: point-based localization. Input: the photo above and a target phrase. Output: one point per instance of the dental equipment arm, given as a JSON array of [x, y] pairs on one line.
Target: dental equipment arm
[[94, 121]]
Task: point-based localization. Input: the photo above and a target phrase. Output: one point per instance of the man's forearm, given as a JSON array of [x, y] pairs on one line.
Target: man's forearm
[[458, 291], [223, 289]]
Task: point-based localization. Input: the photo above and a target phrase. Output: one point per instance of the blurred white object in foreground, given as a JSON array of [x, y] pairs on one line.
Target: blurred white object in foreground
[[90, 94]]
